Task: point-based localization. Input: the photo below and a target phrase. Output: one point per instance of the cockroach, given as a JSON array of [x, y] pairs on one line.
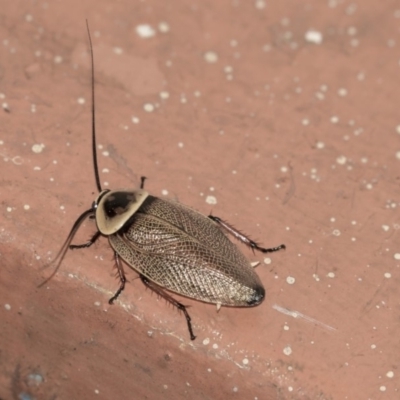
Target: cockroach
[[170, 245]]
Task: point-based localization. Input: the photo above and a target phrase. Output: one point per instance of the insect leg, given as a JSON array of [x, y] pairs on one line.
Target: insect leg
[[87, 244], [122, 278], [171, 300], [243, 238]]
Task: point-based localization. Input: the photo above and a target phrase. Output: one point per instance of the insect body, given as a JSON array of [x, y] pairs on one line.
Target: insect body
[[170, 245]]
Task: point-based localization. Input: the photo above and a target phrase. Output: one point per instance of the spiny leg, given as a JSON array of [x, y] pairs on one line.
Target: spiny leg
[[87, 244], [151, 285], [122, 278], [243, 238]]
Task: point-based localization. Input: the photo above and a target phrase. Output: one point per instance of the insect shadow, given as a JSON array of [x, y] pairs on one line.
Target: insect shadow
[[170, 245]]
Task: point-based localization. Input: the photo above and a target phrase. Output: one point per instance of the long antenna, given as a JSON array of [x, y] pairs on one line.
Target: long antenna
[[60, 255], [96, 168]]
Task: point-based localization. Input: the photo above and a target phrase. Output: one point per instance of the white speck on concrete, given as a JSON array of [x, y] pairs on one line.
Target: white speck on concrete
[[145, 31], [211, 200], [211, 57], [228, 69], [290, 280], [287, 351], [361, 76], [266, 48], [164, 95], [38, 148], [313, 36], [148, 107], [341, 160], [260, 4], [17, 160], [369, 186], [163, 27], [351, 30], [58, 59]]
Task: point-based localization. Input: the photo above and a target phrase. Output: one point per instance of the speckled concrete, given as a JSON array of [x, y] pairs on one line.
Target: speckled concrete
[[280, 117]]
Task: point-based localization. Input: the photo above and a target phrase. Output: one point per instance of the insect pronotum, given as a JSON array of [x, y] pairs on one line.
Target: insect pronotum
[[169, 245]]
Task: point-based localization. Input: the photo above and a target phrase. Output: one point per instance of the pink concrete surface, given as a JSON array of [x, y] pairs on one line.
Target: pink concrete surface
[[295, 132]]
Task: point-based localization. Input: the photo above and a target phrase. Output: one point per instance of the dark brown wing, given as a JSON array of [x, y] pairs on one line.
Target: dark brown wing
[[187, 253]]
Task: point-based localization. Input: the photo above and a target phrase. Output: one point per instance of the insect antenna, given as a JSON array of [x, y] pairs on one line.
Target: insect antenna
[[96, 168], [88, 213], [64, 248]]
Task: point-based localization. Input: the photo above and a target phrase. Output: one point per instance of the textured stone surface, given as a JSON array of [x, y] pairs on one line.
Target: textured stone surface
[[280, 117]]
